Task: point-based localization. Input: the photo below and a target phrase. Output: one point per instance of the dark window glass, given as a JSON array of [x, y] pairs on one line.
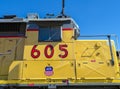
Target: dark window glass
[[49, 34], [11, 29]]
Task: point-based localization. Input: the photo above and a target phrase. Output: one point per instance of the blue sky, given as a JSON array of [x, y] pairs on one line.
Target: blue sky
[[93, 16]]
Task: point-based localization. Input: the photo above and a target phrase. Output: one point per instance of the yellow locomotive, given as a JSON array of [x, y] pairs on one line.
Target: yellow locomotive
[[44, 53]]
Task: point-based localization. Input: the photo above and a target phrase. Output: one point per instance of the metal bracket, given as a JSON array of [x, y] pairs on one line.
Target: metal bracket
[[52, 86], [112, 62], [1, 87]]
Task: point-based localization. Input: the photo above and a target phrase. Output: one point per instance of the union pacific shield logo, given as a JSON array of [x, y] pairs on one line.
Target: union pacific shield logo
[[49, 71]]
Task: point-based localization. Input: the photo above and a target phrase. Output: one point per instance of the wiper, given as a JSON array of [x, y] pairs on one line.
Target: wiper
[[52, 36]]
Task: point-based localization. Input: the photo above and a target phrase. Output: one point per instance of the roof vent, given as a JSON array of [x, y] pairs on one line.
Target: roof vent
[[9, 16], [32, 16]]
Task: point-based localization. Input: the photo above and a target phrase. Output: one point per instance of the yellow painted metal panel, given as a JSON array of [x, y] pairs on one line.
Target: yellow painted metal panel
[[15, 70], [32, 37], [7, 59], [20, 49], [93, 60], [11, 48], [92, 49], [67, 36], [1, 51], [49, 70], [97, 70], [66, 49], [1, 45], [88, 61]]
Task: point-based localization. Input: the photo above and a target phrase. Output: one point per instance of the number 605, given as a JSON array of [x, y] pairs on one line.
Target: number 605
[[35, 53]]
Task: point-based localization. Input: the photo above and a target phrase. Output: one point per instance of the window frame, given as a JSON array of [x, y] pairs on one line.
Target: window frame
[[60, 28]]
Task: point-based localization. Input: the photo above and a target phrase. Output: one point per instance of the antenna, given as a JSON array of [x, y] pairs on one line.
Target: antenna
[[63, 7], [62, 14]]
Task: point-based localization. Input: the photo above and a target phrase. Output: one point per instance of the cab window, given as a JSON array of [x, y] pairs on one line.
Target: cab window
[[12, 29], [50, 33]]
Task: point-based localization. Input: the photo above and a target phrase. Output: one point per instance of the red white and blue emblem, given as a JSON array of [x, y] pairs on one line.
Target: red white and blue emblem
[[49, 71]]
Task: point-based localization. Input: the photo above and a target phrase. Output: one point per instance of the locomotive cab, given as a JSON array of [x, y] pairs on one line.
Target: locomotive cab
[[48, 43], [53, 30]]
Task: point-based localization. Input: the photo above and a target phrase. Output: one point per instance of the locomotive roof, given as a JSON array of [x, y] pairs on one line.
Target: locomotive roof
[[14, 20], [53, 21], [42, 21]]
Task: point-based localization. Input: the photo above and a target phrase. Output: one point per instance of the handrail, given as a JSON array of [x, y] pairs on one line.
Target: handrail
[[112, 35], [111, 52]]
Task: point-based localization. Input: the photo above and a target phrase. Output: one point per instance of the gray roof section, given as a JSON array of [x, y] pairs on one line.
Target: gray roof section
[[52, 21], [14, 20]]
